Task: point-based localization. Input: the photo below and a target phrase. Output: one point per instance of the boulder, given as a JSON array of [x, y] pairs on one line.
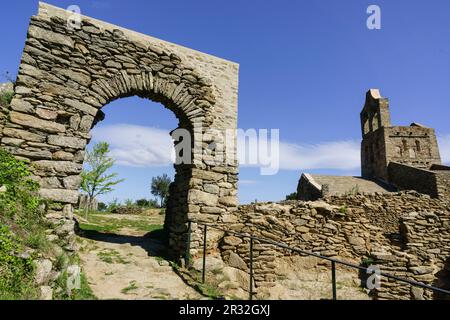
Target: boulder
[[46, 293], [43, 271], [236, 261]]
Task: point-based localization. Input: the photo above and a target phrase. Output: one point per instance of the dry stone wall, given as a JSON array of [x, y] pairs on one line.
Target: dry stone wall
[[347, 228], [67, 75]]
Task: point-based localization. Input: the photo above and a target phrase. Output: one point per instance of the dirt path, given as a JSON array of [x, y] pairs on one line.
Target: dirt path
[[126, 265]]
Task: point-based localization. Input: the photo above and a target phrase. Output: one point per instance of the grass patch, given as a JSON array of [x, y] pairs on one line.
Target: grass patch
[[38, 240], [216, 271], [131, 287], [16, 274], [192, 277], [6, 98], [210, 291], [21, 226], [83, 293], [111, 256], [105, 224]]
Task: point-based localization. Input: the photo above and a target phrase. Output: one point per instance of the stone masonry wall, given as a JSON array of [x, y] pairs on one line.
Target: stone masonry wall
[[406, 177], [350, 232], [67, 75], [443, 184], [385, 210]]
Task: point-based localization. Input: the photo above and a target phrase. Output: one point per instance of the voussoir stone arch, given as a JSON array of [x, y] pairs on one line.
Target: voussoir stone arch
[[68, 74]]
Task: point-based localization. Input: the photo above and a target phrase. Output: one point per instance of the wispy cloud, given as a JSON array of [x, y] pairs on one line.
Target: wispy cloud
[[141, 146], [247, 181], [338, 155], [137, 146]]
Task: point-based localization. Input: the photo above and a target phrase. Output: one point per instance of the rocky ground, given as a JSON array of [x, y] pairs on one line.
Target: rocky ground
[[122, 260], [126, 264], [306, 278]]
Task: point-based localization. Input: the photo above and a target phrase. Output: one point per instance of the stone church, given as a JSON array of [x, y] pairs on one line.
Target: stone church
[[393, 158]]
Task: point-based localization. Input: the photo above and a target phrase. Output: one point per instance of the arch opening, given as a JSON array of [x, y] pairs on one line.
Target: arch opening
[[67, 75]]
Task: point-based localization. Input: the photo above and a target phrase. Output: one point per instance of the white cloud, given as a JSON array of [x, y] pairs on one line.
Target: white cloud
[[137, 146], [140, 146], [444, 148], [248, 181], [338, 155]]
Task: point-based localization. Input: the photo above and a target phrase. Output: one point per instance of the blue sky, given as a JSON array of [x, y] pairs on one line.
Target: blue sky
[[304, 69]]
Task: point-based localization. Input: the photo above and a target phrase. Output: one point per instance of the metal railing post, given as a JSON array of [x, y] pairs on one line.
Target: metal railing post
[[187, 258], [251, 270], [333, 279], [204, 254], [308, 253]]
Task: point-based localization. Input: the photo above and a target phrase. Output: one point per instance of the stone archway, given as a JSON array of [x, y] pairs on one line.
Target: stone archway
[[67, 75]]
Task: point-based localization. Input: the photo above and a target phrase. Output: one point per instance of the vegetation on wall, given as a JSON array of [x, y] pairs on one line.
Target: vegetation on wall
[[5, 98], [23, 238], [21, 227]]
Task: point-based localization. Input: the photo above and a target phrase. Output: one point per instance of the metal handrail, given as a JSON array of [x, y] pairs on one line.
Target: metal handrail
[[309, 253]]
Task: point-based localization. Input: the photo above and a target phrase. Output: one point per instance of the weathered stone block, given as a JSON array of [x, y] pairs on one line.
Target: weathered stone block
[[72, 182], [50, 36], [46, 114], [200, 197], [61, 195], [69, 142], [66, 167], [62, 155], [24, 135], [33, 122], [81, 106]]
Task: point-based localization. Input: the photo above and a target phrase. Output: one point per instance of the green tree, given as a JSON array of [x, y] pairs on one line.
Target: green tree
[[160, 187], [96, 180], [147, 203], [292, 196]]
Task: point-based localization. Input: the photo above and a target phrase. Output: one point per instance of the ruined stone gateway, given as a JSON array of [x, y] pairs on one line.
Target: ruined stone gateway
[[67, 75]]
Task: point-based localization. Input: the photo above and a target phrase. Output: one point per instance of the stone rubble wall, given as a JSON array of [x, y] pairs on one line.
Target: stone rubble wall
[[423, 257], [443, 183], [406, 177], [67, 75], [346, 228], [385, 210]]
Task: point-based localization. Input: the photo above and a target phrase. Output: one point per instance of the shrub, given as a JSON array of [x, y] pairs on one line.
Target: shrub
[[113, 205], [6, 97], [102, 207], [16, 274], [21, 224], [83, 293], [145, 203], [20, 201], [292, 196], [129, 203]]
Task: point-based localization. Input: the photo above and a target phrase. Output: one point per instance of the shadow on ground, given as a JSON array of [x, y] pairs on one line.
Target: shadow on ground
[[155, 243]]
